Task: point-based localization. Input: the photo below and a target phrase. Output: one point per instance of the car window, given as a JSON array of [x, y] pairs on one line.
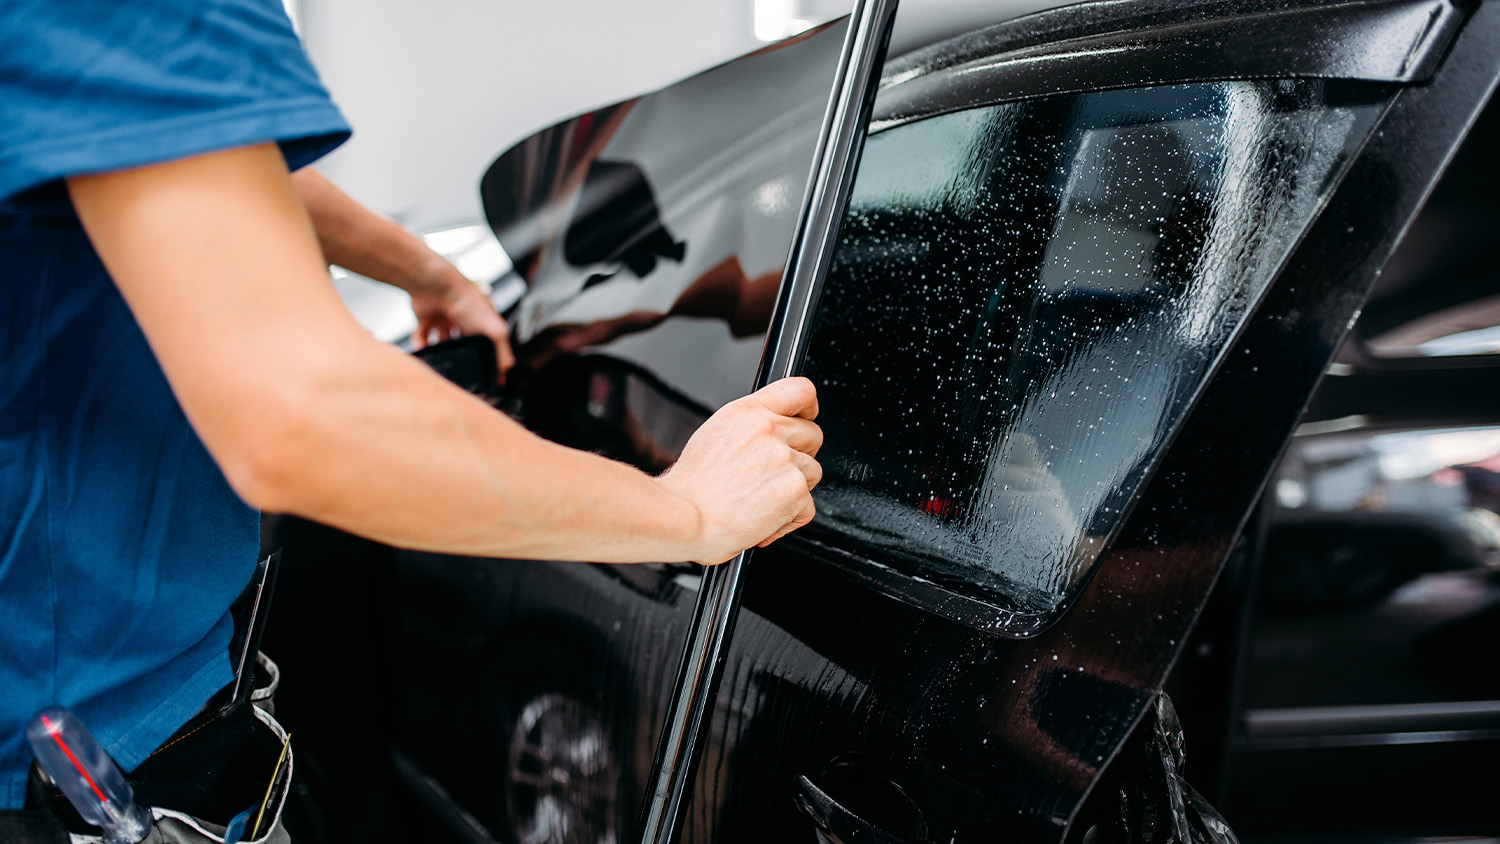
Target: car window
[[1025, 301], [1360, 514], [1438, 295]]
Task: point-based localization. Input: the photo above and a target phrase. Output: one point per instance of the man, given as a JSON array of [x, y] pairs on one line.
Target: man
[[171, 351]]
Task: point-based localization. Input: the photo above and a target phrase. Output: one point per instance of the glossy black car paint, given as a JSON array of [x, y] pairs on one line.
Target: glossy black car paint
[[841, 141], [899, 701], [1364, 673]]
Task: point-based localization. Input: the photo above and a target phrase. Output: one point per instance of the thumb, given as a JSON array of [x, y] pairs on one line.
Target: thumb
[[795, 396]]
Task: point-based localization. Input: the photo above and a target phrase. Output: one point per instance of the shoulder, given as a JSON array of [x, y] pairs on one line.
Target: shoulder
[[100, 85]]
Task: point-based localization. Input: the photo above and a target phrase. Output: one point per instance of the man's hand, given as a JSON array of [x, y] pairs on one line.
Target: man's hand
[[453, 307], [352, 236], [750, 469]]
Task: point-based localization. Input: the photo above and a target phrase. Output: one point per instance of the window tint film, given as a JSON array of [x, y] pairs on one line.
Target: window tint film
[[1026, 299]]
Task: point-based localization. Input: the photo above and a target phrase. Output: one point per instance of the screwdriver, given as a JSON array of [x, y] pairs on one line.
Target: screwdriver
[[93, 783]]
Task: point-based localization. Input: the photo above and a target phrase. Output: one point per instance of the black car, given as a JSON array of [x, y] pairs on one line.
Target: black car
[[1095, 264]]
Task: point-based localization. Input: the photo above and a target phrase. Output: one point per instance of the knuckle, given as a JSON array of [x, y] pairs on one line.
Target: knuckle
[[766, 425], [739, 406], [817, 437]]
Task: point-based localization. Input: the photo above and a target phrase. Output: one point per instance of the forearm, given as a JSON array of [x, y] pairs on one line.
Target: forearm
[[307, 414], [439, 470], [361, 241], [356, 238]]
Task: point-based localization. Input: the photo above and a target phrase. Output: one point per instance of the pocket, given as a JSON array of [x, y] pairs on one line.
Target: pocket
[[217, 767], [173, 827]]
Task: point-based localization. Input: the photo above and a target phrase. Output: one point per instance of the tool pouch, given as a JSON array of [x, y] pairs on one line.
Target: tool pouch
[[174, 827], [226, 760], [218, 766]]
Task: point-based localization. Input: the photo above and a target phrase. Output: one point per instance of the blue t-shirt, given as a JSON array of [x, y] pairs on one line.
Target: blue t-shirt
[[121, 544]]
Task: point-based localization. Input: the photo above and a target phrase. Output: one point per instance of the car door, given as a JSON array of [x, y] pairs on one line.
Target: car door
[[1036, 461], [1375, 609], [1094, 263]]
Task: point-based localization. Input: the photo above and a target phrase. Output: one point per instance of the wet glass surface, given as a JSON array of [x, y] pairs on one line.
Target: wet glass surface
[[1026, 299]]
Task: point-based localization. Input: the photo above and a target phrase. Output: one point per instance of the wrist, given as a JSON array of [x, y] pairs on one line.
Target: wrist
[[439, 279], [685, 526]]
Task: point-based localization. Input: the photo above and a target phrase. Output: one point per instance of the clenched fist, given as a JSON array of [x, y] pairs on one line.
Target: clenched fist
[[749, 471]]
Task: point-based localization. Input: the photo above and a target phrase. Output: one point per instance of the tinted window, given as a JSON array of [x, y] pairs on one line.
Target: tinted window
[[1025, 301]]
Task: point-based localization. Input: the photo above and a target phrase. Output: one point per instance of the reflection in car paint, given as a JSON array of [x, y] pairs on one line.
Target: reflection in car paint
[[651, 241], [611, 407]]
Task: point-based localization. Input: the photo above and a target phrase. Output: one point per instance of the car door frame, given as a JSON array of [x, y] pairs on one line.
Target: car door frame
[[1156, 575]]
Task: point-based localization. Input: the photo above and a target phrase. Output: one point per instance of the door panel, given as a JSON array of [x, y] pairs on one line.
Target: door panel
[[1377, 610], [992, 737], [656, 229]]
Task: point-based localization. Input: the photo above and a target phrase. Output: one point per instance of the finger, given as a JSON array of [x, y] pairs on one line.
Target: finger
[[419, 337], [505, 356], [802, 519], [811, 469], [794, 396], [439, 329], [802, 434]]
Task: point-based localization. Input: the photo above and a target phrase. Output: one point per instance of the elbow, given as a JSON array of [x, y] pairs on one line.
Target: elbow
[[268, 464], [263, 483]]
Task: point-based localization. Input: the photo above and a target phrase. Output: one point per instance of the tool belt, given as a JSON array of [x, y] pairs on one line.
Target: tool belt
[[215, 767], [226, 759]]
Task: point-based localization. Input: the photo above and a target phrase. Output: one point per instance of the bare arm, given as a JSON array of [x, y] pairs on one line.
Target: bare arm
[[359, 240], [307, 414]]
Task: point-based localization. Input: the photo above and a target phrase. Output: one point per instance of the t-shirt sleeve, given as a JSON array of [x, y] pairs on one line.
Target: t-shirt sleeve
[[93, 86]]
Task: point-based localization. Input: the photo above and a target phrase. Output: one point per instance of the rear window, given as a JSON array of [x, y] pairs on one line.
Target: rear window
[[1025, 301]]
